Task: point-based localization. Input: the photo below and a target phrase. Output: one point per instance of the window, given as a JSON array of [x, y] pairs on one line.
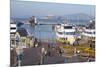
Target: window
[[60, 32], [90, 32], [67, 27], [12, 42], [70, 33], [93, 32], [67, 33], [13, 28], [23, 40], [63, 38]]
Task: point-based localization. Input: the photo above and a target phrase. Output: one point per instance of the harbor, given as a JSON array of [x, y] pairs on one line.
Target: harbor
[[51, 43], [51, 33]]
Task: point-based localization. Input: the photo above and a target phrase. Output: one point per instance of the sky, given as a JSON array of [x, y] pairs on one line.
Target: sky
[[25, 9]]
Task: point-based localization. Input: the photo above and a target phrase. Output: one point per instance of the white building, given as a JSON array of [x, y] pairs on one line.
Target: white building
[[21, 37], [13, 29]]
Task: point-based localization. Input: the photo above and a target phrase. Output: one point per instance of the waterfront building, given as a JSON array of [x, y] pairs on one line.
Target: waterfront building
[[21, 36], [30, 40], [13, 29]]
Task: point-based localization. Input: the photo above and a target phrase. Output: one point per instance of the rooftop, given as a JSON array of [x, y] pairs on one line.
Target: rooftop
[[22, 32]]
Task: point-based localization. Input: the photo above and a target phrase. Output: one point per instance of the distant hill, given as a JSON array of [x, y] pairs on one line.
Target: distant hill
[[73, 18], [78, 16]]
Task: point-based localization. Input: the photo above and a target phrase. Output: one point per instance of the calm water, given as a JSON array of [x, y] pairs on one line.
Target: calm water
[[44, 32]]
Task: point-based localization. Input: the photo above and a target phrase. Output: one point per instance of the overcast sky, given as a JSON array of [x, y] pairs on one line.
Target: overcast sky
[[25, 9]]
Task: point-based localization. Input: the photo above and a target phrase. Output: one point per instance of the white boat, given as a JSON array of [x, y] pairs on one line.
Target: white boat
[[89, 31], [65, 33], [89, 34]]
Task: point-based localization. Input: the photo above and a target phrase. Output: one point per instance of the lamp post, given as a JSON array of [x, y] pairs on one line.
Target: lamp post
[[42, 53]]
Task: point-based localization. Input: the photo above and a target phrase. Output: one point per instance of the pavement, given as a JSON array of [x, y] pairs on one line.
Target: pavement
[[53, 60], [32, 56]]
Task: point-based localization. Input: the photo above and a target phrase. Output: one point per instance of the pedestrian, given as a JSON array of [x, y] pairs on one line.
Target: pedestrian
[[90, 45], [60, 51], [76, 43], [48, 53]]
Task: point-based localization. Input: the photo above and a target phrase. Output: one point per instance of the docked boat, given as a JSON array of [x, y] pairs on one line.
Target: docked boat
[[89, 31], [65, 33], [89, 34]]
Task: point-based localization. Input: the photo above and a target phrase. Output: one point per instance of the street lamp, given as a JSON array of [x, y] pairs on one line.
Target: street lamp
[[42, 53]]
